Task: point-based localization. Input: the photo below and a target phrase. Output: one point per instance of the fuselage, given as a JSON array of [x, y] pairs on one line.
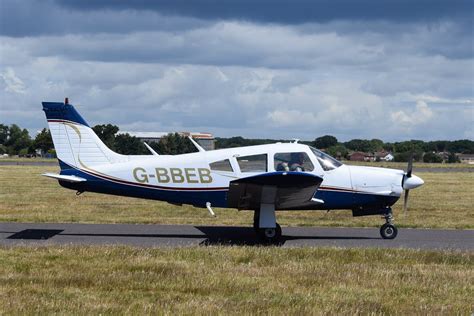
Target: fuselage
[[204, 177]]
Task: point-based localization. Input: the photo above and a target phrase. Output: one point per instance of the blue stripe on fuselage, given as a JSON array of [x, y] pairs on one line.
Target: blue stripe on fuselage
[[332, 199]]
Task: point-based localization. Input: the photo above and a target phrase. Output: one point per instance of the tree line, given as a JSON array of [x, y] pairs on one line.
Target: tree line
[[17, 141], [421, 150]]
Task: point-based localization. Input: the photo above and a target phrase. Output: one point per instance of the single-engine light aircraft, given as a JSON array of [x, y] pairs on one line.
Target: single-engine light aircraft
[[264, 178]]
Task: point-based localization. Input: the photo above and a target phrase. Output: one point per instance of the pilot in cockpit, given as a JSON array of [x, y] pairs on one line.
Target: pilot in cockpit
[[297, 161]]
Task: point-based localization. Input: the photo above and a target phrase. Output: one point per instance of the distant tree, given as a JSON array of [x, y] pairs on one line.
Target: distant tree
[[18, 139], [464, 146], [436, 146], [408, 146], [239, 141], [106, 133], [376, 145], [338, 151], [3, 134], [452, 158], [23, 152], [325, 141], [231, 142], [173, 144], [388, 147], [129, 145], [43, 141], [359, 145], [432, 157], [405, 156]]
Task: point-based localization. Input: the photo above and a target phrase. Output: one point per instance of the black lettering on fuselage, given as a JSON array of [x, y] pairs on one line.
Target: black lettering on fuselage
[[174, 175], [142, 177], [204, 175], [162, 175], [191, 176]]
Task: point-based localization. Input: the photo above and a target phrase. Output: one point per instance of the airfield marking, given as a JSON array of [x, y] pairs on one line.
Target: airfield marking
[[186, 235]]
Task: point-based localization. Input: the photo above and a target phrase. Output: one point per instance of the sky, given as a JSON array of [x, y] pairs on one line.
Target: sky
[[387, 69]]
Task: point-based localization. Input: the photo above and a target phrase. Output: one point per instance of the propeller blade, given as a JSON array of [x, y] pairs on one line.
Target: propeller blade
[[410, 165], [405, 202]]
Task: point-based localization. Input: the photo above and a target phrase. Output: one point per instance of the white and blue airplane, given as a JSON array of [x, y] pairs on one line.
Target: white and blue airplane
[[265, 178]]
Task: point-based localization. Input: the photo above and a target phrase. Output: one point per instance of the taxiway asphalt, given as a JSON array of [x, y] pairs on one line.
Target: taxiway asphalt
[[12, 234]]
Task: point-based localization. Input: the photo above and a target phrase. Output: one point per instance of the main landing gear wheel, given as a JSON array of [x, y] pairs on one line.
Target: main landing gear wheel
[[270, 235], [267, 235], [388, 231]]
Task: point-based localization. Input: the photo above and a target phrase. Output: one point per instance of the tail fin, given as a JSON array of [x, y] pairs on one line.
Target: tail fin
[[75, 142]]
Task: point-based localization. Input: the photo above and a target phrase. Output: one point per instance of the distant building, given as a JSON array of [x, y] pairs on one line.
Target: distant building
[[383, 156], [466, 158], [358, 156], [363, 156], [206, 140]]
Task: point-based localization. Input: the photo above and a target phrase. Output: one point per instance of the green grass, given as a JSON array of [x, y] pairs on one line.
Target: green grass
[[229, 280], [23, 159], [445, 201], [403, 165], [234, 280]]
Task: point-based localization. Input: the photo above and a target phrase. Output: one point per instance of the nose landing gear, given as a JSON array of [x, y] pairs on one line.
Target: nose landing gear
[[388, 230]]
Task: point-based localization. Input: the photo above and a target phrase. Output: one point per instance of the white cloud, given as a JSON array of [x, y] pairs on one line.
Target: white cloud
[[12, 83], [239, 78], [420, 115]]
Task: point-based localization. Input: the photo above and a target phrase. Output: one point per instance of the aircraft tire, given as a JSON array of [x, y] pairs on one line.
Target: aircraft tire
[[388, 231], [270, 235]]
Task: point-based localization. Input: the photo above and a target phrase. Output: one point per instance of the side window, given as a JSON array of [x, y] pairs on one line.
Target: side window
[[296, 161], [255, 163], [222, 165]]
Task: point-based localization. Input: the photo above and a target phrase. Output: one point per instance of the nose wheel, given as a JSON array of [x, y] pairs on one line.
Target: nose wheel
[[388, 230]]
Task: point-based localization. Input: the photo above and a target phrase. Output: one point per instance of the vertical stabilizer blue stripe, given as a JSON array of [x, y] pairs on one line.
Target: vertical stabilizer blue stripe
[[61, 111]]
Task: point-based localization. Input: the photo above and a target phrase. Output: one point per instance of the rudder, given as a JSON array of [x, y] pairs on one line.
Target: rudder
[[76, 144]]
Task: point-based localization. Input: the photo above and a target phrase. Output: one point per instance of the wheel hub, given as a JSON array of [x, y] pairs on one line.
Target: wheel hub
[[270, 232]]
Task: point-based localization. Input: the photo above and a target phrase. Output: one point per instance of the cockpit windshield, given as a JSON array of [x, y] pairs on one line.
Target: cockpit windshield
[[327, 162]]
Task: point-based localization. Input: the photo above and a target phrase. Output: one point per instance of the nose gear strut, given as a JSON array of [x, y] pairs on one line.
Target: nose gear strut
[[388, 230]]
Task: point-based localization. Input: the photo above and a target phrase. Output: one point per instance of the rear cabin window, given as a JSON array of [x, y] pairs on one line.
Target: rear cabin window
[[221, 165], [295, 161], [254, 163]]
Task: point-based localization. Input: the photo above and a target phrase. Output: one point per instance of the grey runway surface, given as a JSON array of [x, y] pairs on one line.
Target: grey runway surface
[[12, 234]]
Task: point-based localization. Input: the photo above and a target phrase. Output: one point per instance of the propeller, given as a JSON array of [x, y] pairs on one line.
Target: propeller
[[405, 187]]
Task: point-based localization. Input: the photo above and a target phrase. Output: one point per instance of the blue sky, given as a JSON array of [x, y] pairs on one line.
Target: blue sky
[[393, 70]]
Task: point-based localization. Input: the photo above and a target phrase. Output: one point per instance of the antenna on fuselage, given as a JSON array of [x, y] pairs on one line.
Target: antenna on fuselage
[[154, 153], [196, 144], [295, 140]]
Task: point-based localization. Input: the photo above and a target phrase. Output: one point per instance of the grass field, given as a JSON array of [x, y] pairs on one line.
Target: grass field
[[445, 201], [229, 280], [403, 165], [384, 164], [234, 280], [23, 159]]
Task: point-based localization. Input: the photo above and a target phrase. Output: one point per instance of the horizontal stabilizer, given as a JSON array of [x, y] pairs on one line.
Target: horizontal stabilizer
[[66, 178]]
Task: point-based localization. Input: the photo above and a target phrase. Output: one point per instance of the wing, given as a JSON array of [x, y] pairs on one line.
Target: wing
[[283, 189]]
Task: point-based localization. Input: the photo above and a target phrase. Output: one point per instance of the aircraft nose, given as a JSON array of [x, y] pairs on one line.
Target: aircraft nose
[[412, 182]]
